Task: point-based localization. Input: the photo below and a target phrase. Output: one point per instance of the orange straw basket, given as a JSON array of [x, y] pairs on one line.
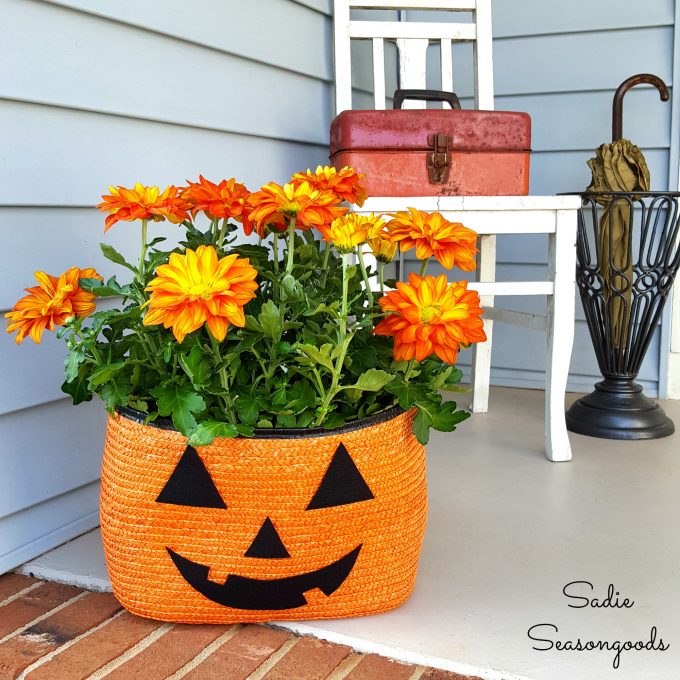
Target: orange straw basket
[[302, 524]]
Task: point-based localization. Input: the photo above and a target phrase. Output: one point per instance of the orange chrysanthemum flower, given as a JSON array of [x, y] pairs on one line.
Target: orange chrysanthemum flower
[[345, 182], [196, 288], [52, 303], [351, 230], [143, 203], [275, 205], [430, 316], [430, 234], [218, 201]]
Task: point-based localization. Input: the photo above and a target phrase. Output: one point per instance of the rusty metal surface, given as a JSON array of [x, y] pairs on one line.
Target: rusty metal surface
[[486, 152]]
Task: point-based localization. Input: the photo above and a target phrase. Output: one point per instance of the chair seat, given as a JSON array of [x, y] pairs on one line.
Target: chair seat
[[392, 21]]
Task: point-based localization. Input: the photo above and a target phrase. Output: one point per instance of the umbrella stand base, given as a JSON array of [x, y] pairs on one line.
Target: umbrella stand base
[[618, 409]]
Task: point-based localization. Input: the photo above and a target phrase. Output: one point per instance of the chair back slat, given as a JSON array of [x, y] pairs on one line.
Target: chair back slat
[[445, 5], [446, 65], [395, 30], [412, 39], [343, 57], [379, 73], [412, 68], [483, 61]]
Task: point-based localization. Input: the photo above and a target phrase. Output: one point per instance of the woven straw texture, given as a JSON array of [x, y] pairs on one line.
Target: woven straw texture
[[262, 478]]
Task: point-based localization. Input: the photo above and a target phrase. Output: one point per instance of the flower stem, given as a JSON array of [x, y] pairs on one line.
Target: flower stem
[[381, 277], [291, 245], [343, 342], [345, 289], [409, 369], [326, 258], [423, 266], [223, 229], [224, 379], [275, 252], [142, 254], [364, 273]]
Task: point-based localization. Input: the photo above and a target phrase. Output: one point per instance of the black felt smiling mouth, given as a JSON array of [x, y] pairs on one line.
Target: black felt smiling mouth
[[242, 592], [191, 485]]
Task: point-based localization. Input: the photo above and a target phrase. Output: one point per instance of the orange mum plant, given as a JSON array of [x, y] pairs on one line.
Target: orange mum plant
[[299, 329]]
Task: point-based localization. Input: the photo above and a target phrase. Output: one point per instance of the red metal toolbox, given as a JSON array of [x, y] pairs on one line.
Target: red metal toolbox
[[435, 152]]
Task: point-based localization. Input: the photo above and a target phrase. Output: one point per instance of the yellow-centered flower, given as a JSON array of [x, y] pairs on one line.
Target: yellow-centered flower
[[430, 234], [143, 203], [196, 288], [52, 303], [351, 230], [274, 205], [345, 182], [383, 250], [431, 316]]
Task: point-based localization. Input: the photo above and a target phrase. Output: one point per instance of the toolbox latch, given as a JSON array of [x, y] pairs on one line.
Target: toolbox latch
[[439, 158]]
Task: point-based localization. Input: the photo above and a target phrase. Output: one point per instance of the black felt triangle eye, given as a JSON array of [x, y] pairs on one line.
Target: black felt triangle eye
[[342, 484], [191, 484]]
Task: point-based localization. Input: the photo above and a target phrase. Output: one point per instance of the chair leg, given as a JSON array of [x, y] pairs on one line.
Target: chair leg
[[481, 353], [481, 371], [560, 334]]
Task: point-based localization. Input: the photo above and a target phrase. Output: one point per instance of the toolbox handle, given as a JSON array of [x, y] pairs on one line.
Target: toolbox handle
[[426, 95]]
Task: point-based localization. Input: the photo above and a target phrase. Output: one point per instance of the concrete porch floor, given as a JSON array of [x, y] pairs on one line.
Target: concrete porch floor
[[507, 531]]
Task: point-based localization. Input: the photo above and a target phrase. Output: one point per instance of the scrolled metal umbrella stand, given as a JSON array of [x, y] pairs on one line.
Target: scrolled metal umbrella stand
[[623, 302]]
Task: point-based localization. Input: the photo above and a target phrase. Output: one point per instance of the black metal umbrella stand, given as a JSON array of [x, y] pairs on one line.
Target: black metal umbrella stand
[[623, 299]]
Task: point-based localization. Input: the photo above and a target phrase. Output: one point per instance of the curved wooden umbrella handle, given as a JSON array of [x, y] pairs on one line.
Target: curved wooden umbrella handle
[[617, 106]]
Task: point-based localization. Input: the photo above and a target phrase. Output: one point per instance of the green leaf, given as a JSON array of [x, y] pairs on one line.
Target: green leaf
[[72, 363], [78, 387], [291, 287], [245, 430], [258, 255], [301, 397], [283, 347], [318, 355], [421, 426], [204, 433], [196, 367], [446, 418], [280, 398], [110, 253], [104, 373], [407, 394], [248, 408], [372, 380], [265, 423], [286, 421], [333, 420], [167, 352], [270, 320], [116, 392], [252, 324], [109, 289], [323, 308], [305, 419], [180, 402]]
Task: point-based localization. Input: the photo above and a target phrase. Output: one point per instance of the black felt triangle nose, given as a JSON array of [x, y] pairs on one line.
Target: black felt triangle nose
[[267, 543]]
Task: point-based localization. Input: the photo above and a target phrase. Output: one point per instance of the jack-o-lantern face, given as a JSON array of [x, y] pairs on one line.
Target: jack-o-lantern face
[[191, 485], [263, 528]]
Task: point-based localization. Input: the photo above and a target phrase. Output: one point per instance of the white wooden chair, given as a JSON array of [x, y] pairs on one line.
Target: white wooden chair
[[488, 215]]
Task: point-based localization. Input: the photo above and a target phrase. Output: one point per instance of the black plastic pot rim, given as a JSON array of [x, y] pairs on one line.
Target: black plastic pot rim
[[276, 433]]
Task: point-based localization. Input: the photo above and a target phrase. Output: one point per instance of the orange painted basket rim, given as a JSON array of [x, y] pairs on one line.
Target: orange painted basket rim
[[276, 433]]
